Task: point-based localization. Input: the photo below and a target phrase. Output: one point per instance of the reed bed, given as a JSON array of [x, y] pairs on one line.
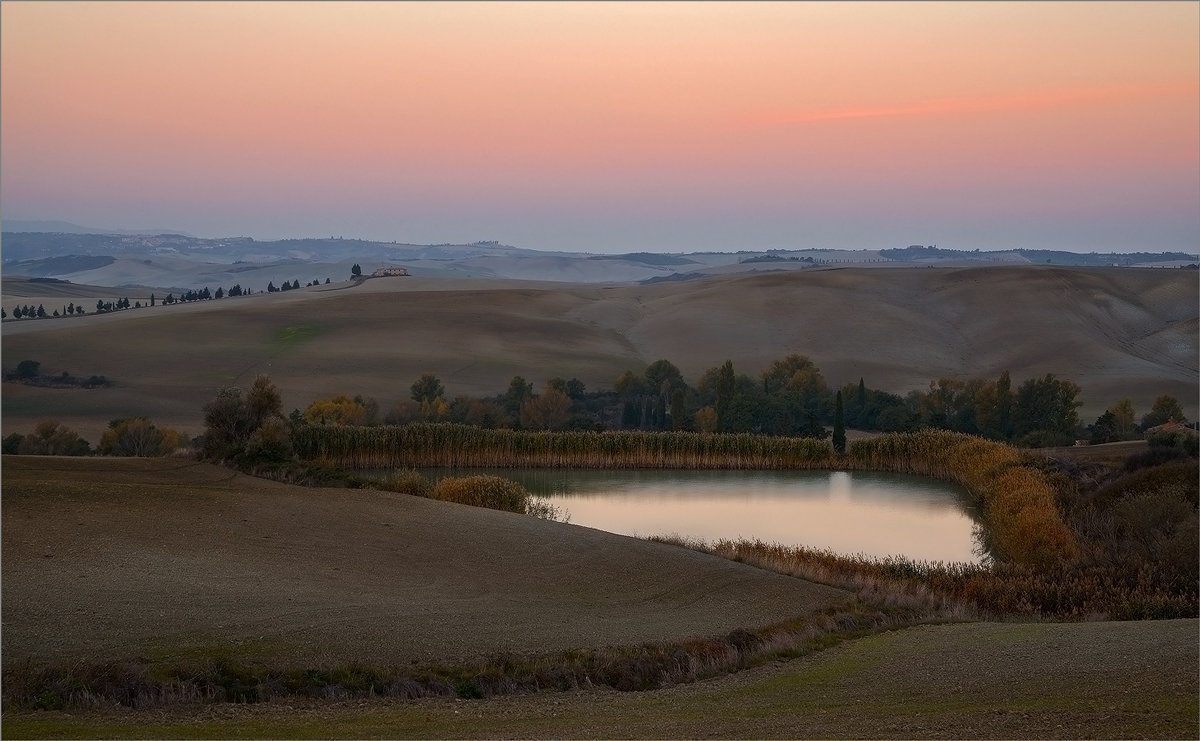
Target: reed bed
[[446, 445], [967, 591], [1023, 523]]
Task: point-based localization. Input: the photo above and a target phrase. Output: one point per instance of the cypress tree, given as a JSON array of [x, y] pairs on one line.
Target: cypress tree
[[839, 426]]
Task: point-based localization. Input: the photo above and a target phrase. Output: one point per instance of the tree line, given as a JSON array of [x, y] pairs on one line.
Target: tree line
[[25, 311], [790, 398]]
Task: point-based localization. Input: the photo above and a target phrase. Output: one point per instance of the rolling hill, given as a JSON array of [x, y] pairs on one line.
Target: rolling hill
[[1116, 332]]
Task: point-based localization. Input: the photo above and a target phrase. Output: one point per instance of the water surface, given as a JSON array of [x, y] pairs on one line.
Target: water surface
[[869, 513]]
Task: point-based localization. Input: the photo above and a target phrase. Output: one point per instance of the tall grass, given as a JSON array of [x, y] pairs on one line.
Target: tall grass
[[430, 445], [1023, 523], [1065, 591]]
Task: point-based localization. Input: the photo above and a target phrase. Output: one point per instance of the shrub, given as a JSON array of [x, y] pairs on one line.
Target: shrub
[[138, 437], [12, 443], [28, 369], [51, 438], [492, 492], [1186, 441], [407, 481], [270, 443]]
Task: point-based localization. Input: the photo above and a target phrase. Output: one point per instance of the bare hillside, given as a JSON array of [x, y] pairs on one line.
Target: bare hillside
[[117, 558], [1116, 332]]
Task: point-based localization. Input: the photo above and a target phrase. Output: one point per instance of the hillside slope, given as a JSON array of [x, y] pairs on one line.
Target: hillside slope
[[1116, 332], [165, 559]]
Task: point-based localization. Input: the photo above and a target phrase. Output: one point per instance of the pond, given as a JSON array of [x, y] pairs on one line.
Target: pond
[[869, 513]]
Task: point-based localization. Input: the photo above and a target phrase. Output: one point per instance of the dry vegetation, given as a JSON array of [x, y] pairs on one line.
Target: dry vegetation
[[457, 446]]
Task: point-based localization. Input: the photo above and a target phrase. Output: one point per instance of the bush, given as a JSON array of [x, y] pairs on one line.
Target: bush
[[28, 369], [12, 443], [270, 443], [51, 438], [407, 481], [492, 492], [1186, 441], [138, 437]]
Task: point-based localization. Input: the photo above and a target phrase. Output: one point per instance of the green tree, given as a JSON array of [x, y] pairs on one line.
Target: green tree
[[427, 388], [798, 399], [950, 405], [839, 425], [662, 378], [548, 411], [1165, 409], [263, 400], [486, 413], [726, 387], [993, 408], [518, 391], [1103, 430], [228, 424], [629, 385], [12, 443], [679, 418], [28, 369], [271, 442], [1124, 419], [1045, 411]]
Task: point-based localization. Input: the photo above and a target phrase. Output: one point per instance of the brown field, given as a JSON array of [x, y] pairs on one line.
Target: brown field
[[165, 558], [168, 560], [1116, 332]]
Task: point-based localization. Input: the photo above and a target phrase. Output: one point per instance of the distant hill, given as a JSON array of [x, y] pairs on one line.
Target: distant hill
[[1117, 332], [179, 260], [920, 253]]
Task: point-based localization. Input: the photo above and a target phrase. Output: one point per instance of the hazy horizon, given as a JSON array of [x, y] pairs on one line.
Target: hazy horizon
[[122, 231], [612, 127]]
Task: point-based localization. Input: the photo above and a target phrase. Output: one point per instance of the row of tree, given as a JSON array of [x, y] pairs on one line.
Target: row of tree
[[29, 312], [134, 436], [791, 397], [103, 307], [292, 285]]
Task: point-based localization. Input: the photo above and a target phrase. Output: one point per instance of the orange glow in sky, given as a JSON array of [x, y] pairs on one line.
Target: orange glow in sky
[[611, 126]]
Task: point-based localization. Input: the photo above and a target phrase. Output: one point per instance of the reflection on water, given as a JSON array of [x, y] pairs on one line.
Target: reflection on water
[[874, 514]]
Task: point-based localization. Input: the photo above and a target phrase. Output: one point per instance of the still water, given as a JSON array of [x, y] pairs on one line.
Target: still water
[[868, 513]]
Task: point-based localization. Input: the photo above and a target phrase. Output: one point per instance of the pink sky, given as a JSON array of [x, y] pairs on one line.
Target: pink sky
[[611, 127]]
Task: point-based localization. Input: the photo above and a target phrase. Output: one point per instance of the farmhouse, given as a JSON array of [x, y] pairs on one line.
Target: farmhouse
[[1169, 426], [389, 271]]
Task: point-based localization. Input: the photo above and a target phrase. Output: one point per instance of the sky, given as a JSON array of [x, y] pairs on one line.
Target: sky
[[611, 127]]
